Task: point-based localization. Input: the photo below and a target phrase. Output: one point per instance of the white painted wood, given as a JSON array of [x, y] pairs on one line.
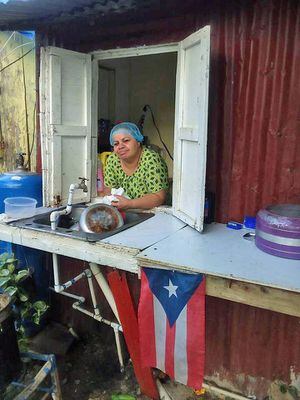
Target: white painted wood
[[148, 232], [66, 122], [100, 253], [135, 51], [222, 252], [218, 252], [94, 127], [43, 125], [190, 143]]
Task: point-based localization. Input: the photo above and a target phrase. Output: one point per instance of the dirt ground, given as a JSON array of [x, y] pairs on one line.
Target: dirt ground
[[90, 371]]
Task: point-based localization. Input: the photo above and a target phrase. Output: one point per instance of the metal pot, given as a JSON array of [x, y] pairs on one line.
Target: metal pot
[[99, 218]]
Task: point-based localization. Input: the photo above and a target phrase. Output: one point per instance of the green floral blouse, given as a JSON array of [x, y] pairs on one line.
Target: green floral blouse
[[151, 175]]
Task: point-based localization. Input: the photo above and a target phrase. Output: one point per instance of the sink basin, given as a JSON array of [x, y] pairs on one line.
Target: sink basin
[[68, 225]]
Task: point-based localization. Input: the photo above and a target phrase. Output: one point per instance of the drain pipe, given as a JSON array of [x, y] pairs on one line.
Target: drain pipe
[[89, 275], [164, 394], [59, 288], [71, 295], [105, 288], [116, 327], [226, 393]]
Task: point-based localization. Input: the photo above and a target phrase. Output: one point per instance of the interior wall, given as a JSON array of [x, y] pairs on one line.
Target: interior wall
[[119, 99], [153, 82], [139, 81]]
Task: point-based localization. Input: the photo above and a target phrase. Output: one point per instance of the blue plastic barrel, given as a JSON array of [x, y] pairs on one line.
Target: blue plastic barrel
[[20, 183], [29, 184]]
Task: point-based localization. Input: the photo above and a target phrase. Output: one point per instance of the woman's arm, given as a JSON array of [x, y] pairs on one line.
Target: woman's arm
[[145, 202]]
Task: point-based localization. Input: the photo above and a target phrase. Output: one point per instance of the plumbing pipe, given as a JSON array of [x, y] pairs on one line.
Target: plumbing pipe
[[116, 327], [71, 282], [73, 296], [95, 270], [211, 388], [55, 214], [119, 349], [89, 275], [164, 395], [57, 286], [60, 287], [105, 288]]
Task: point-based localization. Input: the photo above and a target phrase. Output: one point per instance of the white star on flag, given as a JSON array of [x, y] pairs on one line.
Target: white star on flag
[[171, 289]]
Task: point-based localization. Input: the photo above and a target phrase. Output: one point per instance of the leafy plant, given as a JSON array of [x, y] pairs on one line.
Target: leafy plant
[[12, 282]]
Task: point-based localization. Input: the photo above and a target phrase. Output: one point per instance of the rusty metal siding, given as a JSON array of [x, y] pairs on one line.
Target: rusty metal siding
[[248, 347], [254, 113], [254, 151]]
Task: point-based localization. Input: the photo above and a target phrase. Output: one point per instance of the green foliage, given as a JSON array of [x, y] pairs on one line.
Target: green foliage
[[11, 282], [293, 391]]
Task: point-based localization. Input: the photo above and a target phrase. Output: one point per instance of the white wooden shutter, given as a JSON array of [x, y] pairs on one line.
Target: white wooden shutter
[[65, 87], [191, 128]]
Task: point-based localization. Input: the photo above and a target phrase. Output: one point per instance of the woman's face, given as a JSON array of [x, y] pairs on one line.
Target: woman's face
[[125, 146]]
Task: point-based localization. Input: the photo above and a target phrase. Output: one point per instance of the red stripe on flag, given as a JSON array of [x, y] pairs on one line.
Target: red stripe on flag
[[146, 324], [196, 337], [170, 343], [128, 317]]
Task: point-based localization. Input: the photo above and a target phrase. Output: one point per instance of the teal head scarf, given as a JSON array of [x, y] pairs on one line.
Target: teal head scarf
[[126, 127]]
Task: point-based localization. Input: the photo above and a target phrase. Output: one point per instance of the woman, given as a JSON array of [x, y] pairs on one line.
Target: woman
[[141, 172]]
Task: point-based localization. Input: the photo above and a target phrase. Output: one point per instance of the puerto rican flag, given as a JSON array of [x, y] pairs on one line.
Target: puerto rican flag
[[172, 324]]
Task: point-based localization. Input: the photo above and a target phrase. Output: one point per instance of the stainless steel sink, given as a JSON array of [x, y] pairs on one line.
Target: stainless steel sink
[[68, 225]]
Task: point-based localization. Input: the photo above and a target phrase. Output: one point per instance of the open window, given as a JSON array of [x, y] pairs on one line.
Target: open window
[[171, 79]]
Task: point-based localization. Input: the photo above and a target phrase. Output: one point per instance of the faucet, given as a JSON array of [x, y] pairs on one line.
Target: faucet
[[82, 185], [74, 186]]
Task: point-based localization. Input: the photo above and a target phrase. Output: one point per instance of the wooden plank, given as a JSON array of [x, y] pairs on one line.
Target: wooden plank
[[135, 51], [278, 300]]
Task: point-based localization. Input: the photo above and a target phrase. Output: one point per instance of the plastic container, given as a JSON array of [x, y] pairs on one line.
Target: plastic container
[[278, 230], [100, 178], [20, 207], [103, 157]]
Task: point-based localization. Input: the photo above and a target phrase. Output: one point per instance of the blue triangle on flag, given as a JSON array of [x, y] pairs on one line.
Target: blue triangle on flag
[[172, 289]]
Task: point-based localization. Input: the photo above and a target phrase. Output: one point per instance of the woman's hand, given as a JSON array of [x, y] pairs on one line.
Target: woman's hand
[[145, 202], [123, 203]]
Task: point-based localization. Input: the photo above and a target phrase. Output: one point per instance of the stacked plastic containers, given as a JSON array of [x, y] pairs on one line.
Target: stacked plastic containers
[[278, 230]]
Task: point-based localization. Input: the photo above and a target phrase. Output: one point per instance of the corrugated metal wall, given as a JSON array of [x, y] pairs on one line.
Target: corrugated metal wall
[[253, 152], [254, 116]]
